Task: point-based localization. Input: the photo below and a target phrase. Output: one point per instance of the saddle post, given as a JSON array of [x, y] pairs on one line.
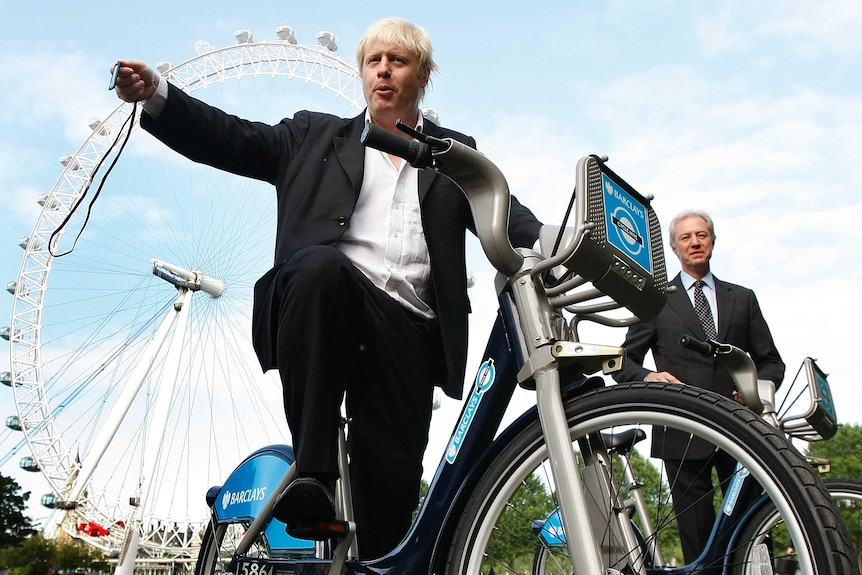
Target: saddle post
[[346, 546], [344, 498]]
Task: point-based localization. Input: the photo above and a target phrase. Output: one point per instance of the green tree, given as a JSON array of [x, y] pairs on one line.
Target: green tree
[[842, 451], [14, 525], [37, 555], [33, 556], [423, 491], [75, 555], [514, 543], [845, 460], [658, 501]]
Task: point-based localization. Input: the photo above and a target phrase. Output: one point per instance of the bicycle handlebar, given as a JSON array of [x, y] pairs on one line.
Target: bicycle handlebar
[[705, 348], [481, 181], [416, 152], [755, 393]]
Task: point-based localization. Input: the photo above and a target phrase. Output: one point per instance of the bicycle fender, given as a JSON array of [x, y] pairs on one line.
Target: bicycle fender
[[251, 483], [248, 488]]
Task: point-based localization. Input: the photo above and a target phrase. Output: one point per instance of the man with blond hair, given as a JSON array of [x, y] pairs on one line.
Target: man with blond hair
[[368, 292]]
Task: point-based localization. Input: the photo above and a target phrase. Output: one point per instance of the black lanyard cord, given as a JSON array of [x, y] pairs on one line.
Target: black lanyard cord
[[127, 126]]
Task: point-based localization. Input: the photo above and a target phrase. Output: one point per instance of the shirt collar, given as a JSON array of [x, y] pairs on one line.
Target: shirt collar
[[688, 281], [420, 123]]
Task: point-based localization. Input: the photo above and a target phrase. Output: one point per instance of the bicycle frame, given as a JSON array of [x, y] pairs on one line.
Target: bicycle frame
[[612, 252], [473, 443]]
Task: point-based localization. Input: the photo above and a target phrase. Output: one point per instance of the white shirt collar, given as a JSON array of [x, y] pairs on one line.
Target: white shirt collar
[[420, 123], [688, 281]]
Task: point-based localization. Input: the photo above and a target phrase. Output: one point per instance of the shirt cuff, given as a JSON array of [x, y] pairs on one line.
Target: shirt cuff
[[156, 103]]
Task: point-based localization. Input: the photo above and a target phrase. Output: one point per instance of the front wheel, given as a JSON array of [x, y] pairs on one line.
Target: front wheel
[[508, 525], [767, 525], [847, 495], [221, 540]]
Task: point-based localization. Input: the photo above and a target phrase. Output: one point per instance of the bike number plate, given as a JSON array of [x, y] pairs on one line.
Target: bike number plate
[[258, 567]]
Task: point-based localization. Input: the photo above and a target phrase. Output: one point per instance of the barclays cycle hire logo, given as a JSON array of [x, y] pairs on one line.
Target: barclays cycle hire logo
[[732, 495], [484, 380], [627, 224], [245, 496], [246, 490]]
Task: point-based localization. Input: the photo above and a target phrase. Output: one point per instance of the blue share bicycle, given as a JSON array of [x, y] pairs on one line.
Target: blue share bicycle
[[495, 489], [806, 412]]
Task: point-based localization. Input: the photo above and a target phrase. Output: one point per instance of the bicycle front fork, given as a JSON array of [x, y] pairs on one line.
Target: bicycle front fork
[[583, 548]]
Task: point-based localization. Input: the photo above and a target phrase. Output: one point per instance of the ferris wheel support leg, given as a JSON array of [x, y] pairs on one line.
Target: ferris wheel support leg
[[52, 526], [157, 428], [129, 554], [124, 402]]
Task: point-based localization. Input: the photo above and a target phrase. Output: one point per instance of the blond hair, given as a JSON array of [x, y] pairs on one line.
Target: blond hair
[[402, 33]]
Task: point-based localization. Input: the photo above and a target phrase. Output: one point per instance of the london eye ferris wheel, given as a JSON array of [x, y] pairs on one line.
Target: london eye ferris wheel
[[133, 376]]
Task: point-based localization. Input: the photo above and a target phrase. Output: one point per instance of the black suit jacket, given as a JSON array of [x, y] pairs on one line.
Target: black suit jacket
[[740, 322], [316, 161]]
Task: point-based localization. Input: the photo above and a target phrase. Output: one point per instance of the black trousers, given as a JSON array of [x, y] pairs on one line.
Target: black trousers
[[339, 333], [692, 491]]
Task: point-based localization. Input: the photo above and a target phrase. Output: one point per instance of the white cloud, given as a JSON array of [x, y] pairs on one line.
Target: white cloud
[[801, 28], [829, 27], [718, 32], [59, 90]]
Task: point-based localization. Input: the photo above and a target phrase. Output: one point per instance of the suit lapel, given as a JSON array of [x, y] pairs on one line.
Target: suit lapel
[[350, 151], [427, 176], [725, 301], [351, 154], [681, 305]]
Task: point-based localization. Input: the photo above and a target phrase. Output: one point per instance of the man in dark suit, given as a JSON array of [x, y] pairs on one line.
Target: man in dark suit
[[731, 315], [368, 292]]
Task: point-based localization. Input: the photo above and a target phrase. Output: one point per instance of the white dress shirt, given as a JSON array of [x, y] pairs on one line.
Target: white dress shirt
[[385, 239]]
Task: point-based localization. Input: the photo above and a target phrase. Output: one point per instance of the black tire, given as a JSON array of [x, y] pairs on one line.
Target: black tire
[[847, 495], [263, 470], [219, 543], [495, 529], [766, 524]]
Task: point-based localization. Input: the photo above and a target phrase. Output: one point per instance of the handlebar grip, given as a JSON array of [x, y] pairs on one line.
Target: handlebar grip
[[416, 152], [701, 347]]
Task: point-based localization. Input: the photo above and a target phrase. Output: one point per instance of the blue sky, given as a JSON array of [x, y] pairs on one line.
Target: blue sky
[[750, 110]]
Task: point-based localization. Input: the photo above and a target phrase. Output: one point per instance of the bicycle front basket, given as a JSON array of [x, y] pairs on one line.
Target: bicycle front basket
[[819, 421]]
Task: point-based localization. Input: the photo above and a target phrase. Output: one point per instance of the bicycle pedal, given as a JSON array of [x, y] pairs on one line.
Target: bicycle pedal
[[318, 529]]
